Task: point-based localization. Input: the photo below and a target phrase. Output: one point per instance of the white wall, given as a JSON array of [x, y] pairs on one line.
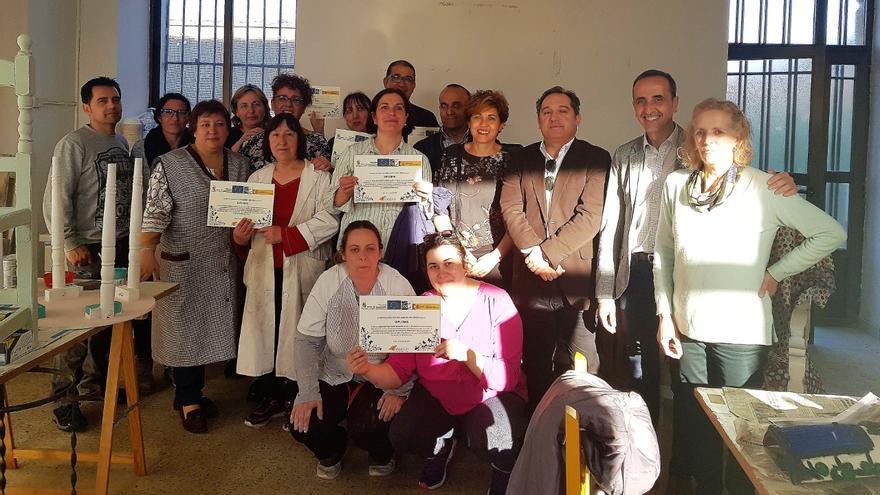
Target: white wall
[[870, 303], [521, 47]]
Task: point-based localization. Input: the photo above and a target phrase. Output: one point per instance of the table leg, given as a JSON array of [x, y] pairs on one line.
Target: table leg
[[8, 440], [132, 395], [111, 392]]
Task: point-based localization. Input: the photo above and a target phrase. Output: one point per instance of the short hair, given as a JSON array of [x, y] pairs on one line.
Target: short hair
[[85, 92], [293, 81], [355, 225], [572, 97], [458, 86], [445, 238], [207, 107], [742, 152], [399, 62], [487, 98], [292, 124], [375, 103], [658, 73], [361, 100], [239, 94], [165, 99]]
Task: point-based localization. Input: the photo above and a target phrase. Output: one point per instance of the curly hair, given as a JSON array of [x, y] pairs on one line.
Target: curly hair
[[487, 98], [742, 152], [293, 81], [239, 94]]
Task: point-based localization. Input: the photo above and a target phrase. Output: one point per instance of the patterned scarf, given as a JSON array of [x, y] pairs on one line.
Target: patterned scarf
[[706, 201]]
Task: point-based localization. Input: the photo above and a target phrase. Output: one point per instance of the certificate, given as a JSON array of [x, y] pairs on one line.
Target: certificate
[[418, 133], [229, 202], [386, 178], [399, 323], [326, 102], [345, 138]]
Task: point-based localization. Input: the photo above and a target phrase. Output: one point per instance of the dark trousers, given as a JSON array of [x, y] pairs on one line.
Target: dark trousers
[[638, 325], [552, 333], [357, 404], [494, 430], [697, 448], [188, 384], [270, 385]]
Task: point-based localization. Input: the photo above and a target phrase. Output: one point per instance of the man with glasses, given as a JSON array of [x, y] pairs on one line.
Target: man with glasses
[[551, 201], [83, 157], [402, 75]]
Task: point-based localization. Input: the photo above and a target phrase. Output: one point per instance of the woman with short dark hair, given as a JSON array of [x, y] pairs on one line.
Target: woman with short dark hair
[[172, 115]]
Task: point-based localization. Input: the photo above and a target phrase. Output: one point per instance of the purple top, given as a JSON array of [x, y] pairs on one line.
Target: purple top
[[493, 329]]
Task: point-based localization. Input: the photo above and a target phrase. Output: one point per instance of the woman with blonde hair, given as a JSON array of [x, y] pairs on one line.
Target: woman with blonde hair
[[712, 281]]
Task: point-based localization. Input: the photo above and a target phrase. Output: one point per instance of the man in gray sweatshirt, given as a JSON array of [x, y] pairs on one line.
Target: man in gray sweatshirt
[[83, 156]]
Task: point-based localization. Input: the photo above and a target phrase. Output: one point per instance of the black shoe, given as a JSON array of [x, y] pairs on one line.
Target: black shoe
[[69, 418], [229, 371], [209, 409], [434, 473]]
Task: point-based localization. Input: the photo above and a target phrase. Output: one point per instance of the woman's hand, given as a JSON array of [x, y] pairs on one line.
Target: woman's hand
[[302, 413], [321, 163], [243, 232], [244, 137], [768, 286], [272, 234], [149, 267], [484, 264], [423, 189], [316, 122], [357, 362], [345, 191], [453, 350], [669, 338], [389, 405]]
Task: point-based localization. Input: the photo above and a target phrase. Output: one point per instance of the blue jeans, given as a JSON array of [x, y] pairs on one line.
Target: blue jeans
[[638, 312]]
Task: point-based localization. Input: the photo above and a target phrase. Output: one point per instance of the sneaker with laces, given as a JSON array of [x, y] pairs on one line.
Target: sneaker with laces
[[263, 413], [434, 472], [498, 485], [383, 469], [70, 418], [329, 469]]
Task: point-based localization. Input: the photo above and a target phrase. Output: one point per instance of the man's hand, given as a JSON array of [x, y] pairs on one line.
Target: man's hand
[[781, 183], [272, 234], [768, 286], [668, 337], [388, 406], [345, 191], [78, 256], [321, 163], [607, 315], [539, 266]]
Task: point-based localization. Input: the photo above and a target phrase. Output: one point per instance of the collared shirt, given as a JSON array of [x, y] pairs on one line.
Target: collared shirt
[[552, 173], [449, 141], [659, 162]]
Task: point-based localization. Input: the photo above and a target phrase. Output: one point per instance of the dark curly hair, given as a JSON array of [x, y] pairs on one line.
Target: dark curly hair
[[293, 81]]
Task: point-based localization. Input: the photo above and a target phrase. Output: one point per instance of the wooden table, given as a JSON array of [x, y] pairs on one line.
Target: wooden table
[[121, 360], [758, 462]]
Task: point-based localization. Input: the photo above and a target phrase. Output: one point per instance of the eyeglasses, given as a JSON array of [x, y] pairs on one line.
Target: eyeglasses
[[284, 100], [167, 112], [446, 234], [549, 180], [397, 78]]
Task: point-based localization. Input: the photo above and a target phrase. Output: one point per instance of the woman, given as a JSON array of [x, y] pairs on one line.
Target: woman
[[327, 331], [472, 383], [196, 323], [292, 252], [389, 110], [473, 172], [250, 113], [172, 115], [290, 94], [712, 283], [356, 111]]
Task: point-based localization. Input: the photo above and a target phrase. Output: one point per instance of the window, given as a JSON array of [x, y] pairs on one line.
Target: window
[[208, 48], [799, 69]]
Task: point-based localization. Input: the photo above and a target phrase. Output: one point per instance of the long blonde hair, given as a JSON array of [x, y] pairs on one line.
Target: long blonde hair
[[742, 152]]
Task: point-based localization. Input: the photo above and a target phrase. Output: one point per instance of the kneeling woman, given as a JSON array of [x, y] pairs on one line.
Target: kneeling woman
[[472, 382], [327, 332]]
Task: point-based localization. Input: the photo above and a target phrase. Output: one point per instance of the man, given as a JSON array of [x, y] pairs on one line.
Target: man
[[629, 227], [552, 205], [402, 75], [83, 156], [454, 128]]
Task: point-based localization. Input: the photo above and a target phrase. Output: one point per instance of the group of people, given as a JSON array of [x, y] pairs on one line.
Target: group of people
[[533, 250]]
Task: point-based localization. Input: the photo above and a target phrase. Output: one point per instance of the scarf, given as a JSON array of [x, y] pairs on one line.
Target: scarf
[[706, 201]]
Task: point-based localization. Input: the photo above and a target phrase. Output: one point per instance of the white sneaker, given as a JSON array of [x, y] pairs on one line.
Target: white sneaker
[[329, 472], [383, 469]]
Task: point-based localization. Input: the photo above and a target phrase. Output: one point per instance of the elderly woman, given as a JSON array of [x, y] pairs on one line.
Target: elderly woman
[[327, 331], [172, 115], [292, 252], [472, 382], [473, 172], [196, 323], [718, 220], [290, 94], [250, 113], [389, 110]]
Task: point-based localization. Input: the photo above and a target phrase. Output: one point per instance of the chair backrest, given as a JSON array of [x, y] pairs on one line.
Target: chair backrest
[[577, 476]]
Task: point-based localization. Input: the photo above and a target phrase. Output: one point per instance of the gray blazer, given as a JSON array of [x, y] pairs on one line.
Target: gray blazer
[[628, 162]]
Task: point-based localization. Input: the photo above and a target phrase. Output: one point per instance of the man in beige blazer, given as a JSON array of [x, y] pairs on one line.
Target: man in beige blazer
[[551, 201]]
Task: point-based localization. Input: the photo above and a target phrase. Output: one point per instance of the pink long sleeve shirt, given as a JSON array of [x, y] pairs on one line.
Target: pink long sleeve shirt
[[492, 328]]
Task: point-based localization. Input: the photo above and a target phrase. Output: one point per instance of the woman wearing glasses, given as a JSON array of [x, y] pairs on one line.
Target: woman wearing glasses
[[250, 113], [471, 387], [290, 94], [172, 115]]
